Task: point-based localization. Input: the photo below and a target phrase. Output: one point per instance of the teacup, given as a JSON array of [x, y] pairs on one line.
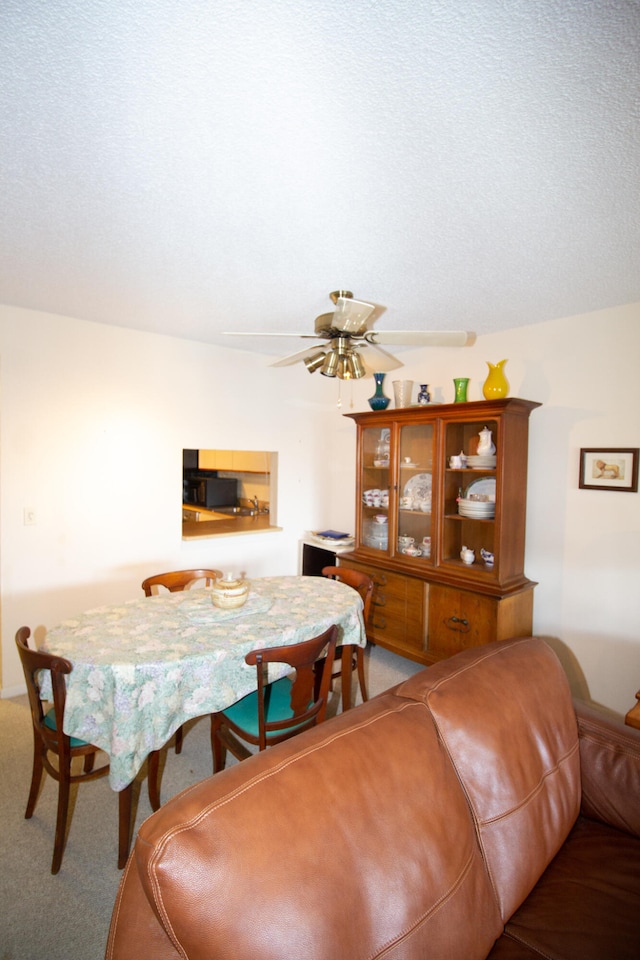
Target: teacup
[[404, 542], [412, 551], [380, 518], [426, 546]]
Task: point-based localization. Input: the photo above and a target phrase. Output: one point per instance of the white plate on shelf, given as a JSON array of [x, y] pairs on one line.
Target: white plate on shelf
[[403, 464], [485, 487], [477, 508], [418, 487], [488, 463]]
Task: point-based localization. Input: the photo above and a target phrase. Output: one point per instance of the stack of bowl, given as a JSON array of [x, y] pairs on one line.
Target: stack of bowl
[[478, 462], [477, 509]]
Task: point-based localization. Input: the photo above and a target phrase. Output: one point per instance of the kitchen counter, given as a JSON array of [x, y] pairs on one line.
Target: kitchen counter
[[223, 525]]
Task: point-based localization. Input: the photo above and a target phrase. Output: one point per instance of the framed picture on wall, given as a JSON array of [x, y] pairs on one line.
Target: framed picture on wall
[[609, 468]]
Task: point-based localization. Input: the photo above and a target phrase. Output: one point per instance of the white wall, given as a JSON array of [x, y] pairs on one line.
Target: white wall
[[93, 420]]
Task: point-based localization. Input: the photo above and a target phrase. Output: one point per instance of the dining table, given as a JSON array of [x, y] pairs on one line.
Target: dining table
[[143, 667]]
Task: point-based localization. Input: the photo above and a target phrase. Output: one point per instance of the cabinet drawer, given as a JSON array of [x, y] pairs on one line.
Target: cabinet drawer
[[397, 619], [459, 619]]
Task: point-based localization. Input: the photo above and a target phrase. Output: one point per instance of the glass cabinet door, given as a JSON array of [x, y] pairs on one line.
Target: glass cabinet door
[[471, 496], [376, 472], [414, 492]]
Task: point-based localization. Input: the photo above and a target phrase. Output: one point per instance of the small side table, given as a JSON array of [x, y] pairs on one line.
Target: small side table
[[632, 719], [316, 554]]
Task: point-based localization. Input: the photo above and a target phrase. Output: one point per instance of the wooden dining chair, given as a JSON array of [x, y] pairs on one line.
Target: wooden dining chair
[[279, 710], [178, 580], [48, 738], [175, 581], [363, 583]]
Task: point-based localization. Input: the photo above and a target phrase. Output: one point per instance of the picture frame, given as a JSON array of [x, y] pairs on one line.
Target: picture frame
[[609, 468]]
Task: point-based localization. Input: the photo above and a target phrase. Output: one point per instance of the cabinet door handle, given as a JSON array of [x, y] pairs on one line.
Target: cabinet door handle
[[459, 624], [380, 624], [379, 600]]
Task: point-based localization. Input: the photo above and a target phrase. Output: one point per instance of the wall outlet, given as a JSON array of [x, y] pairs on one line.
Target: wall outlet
[[29, 517]]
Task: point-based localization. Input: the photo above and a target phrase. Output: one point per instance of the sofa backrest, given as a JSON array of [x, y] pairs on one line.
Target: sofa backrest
[[505, 717], [353, 841]]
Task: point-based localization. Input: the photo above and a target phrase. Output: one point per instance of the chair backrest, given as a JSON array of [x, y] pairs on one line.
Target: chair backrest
[[308, 708], [361, 582], [33, 663], [178, 580]]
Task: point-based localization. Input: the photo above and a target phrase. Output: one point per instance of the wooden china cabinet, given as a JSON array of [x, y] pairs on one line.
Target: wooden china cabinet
[[415, 512]]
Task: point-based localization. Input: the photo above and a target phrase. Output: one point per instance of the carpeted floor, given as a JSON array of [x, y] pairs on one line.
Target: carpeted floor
[[67, 917]]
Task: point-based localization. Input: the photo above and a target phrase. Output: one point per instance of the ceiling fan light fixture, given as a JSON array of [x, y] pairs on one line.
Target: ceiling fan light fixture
[[357, 366], [315, 361], [331, 364], [344, 368]]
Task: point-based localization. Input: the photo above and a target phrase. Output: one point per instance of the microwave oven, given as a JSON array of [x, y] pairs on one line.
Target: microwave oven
[[211, 491]]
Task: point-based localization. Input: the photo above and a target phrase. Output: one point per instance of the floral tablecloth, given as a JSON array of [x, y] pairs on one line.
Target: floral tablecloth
[[142, 668]]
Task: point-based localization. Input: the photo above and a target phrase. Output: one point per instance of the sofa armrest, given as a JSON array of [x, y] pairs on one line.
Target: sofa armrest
[[610, 769], [135, 930]]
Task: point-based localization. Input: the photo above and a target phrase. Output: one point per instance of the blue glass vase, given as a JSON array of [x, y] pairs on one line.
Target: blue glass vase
[[378, 401]]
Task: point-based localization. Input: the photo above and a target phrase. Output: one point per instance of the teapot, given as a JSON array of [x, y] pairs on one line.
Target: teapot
[[486, 446], [467, 555]]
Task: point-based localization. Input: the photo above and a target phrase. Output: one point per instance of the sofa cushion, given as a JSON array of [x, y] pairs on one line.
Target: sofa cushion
[[352, 840], [586, 905], [506, 718]]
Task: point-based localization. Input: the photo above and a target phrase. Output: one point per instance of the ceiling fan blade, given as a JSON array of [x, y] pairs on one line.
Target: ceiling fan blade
[[424, 338], [271, 333], [377, 360], [350, 316], [294, 357]]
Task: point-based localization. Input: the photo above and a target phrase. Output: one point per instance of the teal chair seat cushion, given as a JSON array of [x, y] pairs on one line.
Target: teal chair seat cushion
[[50, 721], [277, 697]]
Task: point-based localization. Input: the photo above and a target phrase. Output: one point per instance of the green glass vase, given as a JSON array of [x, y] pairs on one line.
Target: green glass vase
[[460, 384]]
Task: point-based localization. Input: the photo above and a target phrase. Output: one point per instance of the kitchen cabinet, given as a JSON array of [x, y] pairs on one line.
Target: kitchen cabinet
[[418, 510], [235, 461]]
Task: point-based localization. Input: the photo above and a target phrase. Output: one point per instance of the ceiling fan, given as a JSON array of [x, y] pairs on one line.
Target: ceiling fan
[[353, 349]]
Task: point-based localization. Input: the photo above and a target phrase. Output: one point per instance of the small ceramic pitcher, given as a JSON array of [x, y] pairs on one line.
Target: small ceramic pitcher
[[486, 446], [467, 555]]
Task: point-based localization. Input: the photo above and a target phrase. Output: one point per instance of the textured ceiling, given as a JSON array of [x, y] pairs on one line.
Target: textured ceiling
[[195, 166]]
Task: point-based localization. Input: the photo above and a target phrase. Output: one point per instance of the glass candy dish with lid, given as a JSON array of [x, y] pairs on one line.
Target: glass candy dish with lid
[[228, 592]]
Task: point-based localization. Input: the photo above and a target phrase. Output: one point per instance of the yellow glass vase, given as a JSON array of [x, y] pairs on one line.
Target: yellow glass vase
[[496, 385]]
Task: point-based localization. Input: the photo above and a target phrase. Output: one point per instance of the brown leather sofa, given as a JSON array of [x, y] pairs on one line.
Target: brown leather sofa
[[474, 811]]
